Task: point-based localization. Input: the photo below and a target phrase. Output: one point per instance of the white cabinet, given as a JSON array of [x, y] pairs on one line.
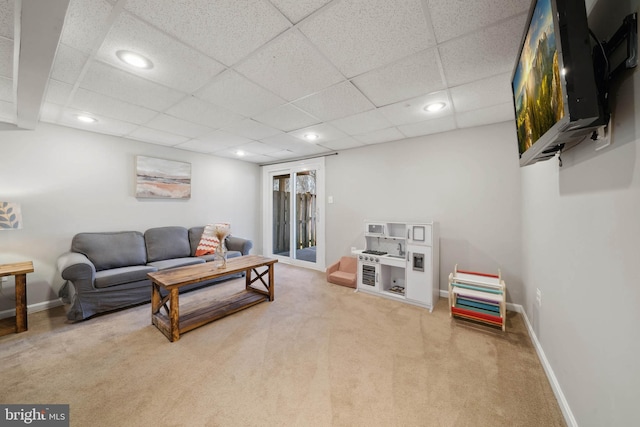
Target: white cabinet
[[407, 266]]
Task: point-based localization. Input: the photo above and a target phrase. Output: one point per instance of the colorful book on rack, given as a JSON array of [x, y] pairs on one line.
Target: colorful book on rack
[[494, 308], [474, 315]]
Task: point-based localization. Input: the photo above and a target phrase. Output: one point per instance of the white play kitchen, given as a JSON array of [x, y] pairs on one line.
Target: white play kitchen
[[400, 262]]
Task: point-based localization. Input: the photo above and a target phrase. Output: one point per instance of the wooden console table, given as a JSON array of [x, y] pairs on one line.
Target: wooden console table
[[18, 323], [173, 323]]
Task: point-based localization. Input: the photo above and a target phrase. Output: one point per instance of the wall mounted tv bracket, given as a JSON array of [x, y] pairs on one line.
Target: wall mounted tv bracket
[[603, 54]]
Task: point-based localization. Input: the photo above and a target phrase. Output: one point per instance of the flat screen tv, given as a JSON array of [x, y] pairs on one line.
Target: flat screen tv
[[555, 93]]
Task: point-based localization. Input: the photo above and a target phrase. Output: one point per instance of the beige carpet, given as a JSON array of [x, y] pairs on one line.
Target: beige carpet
[[319, 355]]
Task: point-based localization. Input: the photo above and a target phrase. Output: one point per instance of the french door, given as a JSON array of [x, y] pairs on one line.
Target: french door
[[293, 223]]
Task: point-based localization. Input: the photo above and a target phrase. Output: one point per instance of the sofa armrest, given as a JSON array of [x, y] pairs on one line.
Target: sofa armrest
[[333, 268], [77, 269], [239, 244]]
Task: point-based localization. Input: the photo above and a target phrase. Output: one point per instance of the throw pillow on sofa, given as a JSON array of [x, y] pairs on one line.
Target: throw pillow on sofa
[[208, 242]]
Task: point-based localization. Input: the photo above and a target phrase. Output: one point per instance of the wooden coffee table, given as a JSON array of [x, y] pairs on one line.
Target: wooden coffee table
[[172, 323], [18, 323]]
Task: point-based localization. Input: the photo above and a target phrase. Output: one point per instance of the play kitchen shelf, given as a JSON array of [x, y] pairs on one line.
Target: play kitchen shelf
[[478, 296], [400, 262]]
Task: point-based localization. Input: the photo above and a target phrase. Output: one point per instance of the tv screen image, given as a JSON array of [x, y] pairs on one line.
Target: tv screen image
[[555, 95], [537, 87]]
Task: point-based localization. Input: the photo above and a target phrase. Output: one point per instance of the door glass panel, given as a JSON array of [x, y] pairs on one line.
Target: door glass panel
[[281, 212], [305, 216]]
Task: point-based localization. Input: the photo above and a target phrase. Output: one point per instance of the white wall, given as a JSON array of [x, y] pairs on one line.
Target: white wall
[[467, 180], [581, 234], [70, 181]]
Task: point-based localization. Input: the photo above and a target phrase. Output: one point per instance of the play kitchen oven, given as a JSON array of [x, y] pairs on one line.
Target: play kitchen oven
[[369, 268]]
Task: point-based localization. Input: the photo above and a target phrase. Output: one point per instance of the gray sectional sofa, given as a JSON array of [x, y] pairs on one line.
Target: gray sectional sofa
[[107, 271]]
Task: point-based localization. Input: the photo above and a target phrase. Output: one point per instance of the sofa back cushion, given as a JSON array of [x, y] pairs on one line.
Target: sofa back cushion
[[111, 249], [166, 243], [195, 234]]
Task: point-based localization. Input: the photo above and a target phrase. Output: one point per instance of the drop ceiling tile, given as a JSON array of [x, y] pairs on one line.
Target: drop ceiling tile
[[6, 89], [428, 127], [324, 131], [156, 137], [482, 93], [483, 53], [342, 143], [335, 102], [198, 111], [68, 64], [251, 129], [85, 21], [103, 105], [167, 123], [362, 123], [232, 153], [297, 10], [6, 58], [50, 113], [407, 78], [286, 118], [452, 18], [360, 35], [104, 124], [58, 92], [227, 30], [283, 141], [412, 111], [223, 139], [118, 84], [236, 93], [174, 64], [6, 18], [485, 116], [200, 146], [379, 136], [283, 154], [257, 147], [290, 67]]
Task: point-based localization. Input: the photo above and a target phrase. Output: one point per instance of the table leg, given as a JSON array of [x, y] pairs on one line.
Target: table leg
[[174, 315], [155, 299], [271, 284], [21, 302]]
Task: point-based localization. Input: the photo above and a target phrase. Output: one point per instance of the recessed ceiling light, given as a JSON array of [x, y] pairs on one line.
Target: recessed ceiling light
[[86, 119], [311, 136], [239, 153], [436, 106], [134, 59]]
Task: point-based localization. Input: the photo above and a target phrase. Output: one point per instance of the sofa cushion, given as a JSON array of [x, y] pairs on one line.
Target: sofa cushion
[[175, 262], [167, 243], [111, 249], [195, 233], [118, 276]]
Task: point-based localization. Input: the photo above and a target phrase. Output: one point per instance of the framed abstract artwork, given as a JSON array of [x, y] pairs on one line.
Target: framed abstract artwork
[[160, 178]]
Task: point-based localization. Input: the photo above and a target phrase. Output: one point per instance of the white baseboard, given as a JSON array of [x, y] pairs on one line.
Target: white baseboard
[[551, 376], [33, 308]]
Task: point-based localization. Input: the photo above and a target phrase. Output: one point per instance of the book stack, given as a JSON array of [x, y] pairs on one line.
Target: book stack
[[478, 296]]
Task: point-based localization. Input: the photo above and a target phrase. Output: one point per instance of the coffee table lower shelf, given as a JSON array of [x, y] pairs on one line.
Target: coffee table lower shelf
[[197, 317]]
